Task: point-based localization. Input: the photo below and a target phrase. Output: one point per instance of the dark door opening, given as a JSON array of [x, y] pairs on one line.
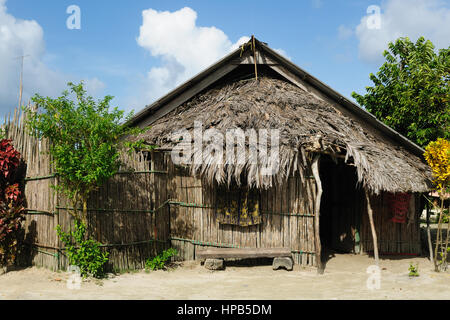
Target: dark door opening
[[341, 207]]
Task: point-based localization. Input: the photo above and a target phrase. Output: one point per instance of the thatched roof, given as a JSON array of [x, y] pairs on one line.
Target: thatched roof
[[307, 125]]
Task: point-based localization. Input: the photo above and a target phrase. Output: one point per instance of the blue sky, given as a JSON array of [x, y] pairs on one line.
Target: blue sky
[[118, 52]]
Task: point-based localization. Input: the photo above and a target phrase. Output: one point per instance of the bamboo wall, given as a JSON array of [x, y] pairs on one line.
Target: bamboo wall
[[127, 215], [287, 218], [392, 237], [137, 214]]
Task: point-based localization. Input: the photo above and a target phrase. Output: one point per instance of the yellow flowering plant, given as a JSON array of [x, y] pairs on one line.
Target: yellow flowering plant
[[437, 154]]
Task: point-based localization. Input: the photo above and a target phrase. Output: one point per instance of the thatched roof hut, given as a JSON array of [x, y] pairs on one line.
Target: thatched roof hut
[[272, 103], [256, 88], [345, 182], [308, 123]]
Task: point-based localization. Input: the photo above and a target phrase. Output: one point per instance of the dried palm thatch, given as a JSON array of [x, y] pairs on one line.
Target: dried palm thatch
[[306, 125]]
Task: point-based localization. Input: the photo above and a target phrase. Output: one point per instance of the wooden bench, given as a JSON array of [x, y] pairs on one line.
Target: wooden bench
[[214, 257]]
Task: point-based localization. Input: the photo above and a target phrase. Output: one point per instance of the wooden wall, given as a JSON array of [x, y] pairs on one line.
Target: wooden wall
[[392, 237], [127, 215], [287, 219]]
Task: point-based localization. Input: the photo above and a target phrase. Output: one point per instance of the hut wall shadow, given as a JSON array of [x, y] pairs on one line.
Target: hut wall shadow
[[26, 253], [28, 235], [249, 262]]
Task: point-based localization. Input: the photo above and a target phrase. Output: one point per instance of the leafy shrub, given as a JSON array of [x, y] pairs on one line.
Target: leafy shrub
[[9, 158], [413, 270], [11, 208], [11, 217], [159, 262], [82, 252], [445, 217], [86, 137], [437, 154]]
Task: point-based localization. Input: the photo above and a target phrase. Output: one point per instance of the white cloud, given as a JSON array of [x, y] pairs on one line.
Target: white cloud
[[240, 42], [26, 37], [183, 48], [344, 32], [94, 86], [400, 18], [283, 53]]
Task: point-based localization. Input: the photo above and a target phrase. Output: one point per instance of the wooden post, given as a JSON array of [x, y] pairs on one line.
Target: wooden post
[[430, 246], [254, 56], [315, 170], [439, 236], [21, 80], [372, 226]]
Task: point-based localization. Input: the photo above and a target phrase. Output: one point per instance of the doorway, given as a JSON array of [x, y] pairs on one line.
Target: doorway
[[341, 207]]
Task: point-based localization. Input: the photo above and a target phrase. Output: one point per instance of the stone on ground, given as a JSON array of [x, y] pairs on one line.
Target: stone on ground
[[214, 264], [284, 262]]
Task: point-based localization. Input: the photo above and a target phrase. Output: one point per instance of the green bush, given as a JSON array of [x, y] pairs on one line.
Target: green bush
[[413, 270], [445, 217], [87, 137], [82, 252], [159, 262]]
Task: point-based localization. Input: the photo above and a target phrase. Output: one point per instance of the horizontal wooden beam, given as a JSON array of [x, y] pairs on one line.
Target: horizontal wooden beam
[[248, 58], [245, 253]]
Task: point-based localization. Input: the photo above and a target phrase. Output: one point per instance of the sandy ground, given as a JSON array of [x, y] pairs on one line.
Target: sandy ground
[[345, 278]]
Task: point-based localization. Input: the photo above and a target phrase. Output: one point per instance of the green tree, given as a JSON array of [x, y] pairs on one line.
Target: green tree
[[411, 91], [85, 140]]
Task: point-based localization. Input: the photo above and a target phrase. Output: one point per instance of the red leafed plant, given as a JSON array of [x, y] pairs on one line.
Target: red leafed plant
[[12, 192], [10, 225], [9, 158], [11, 208]]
